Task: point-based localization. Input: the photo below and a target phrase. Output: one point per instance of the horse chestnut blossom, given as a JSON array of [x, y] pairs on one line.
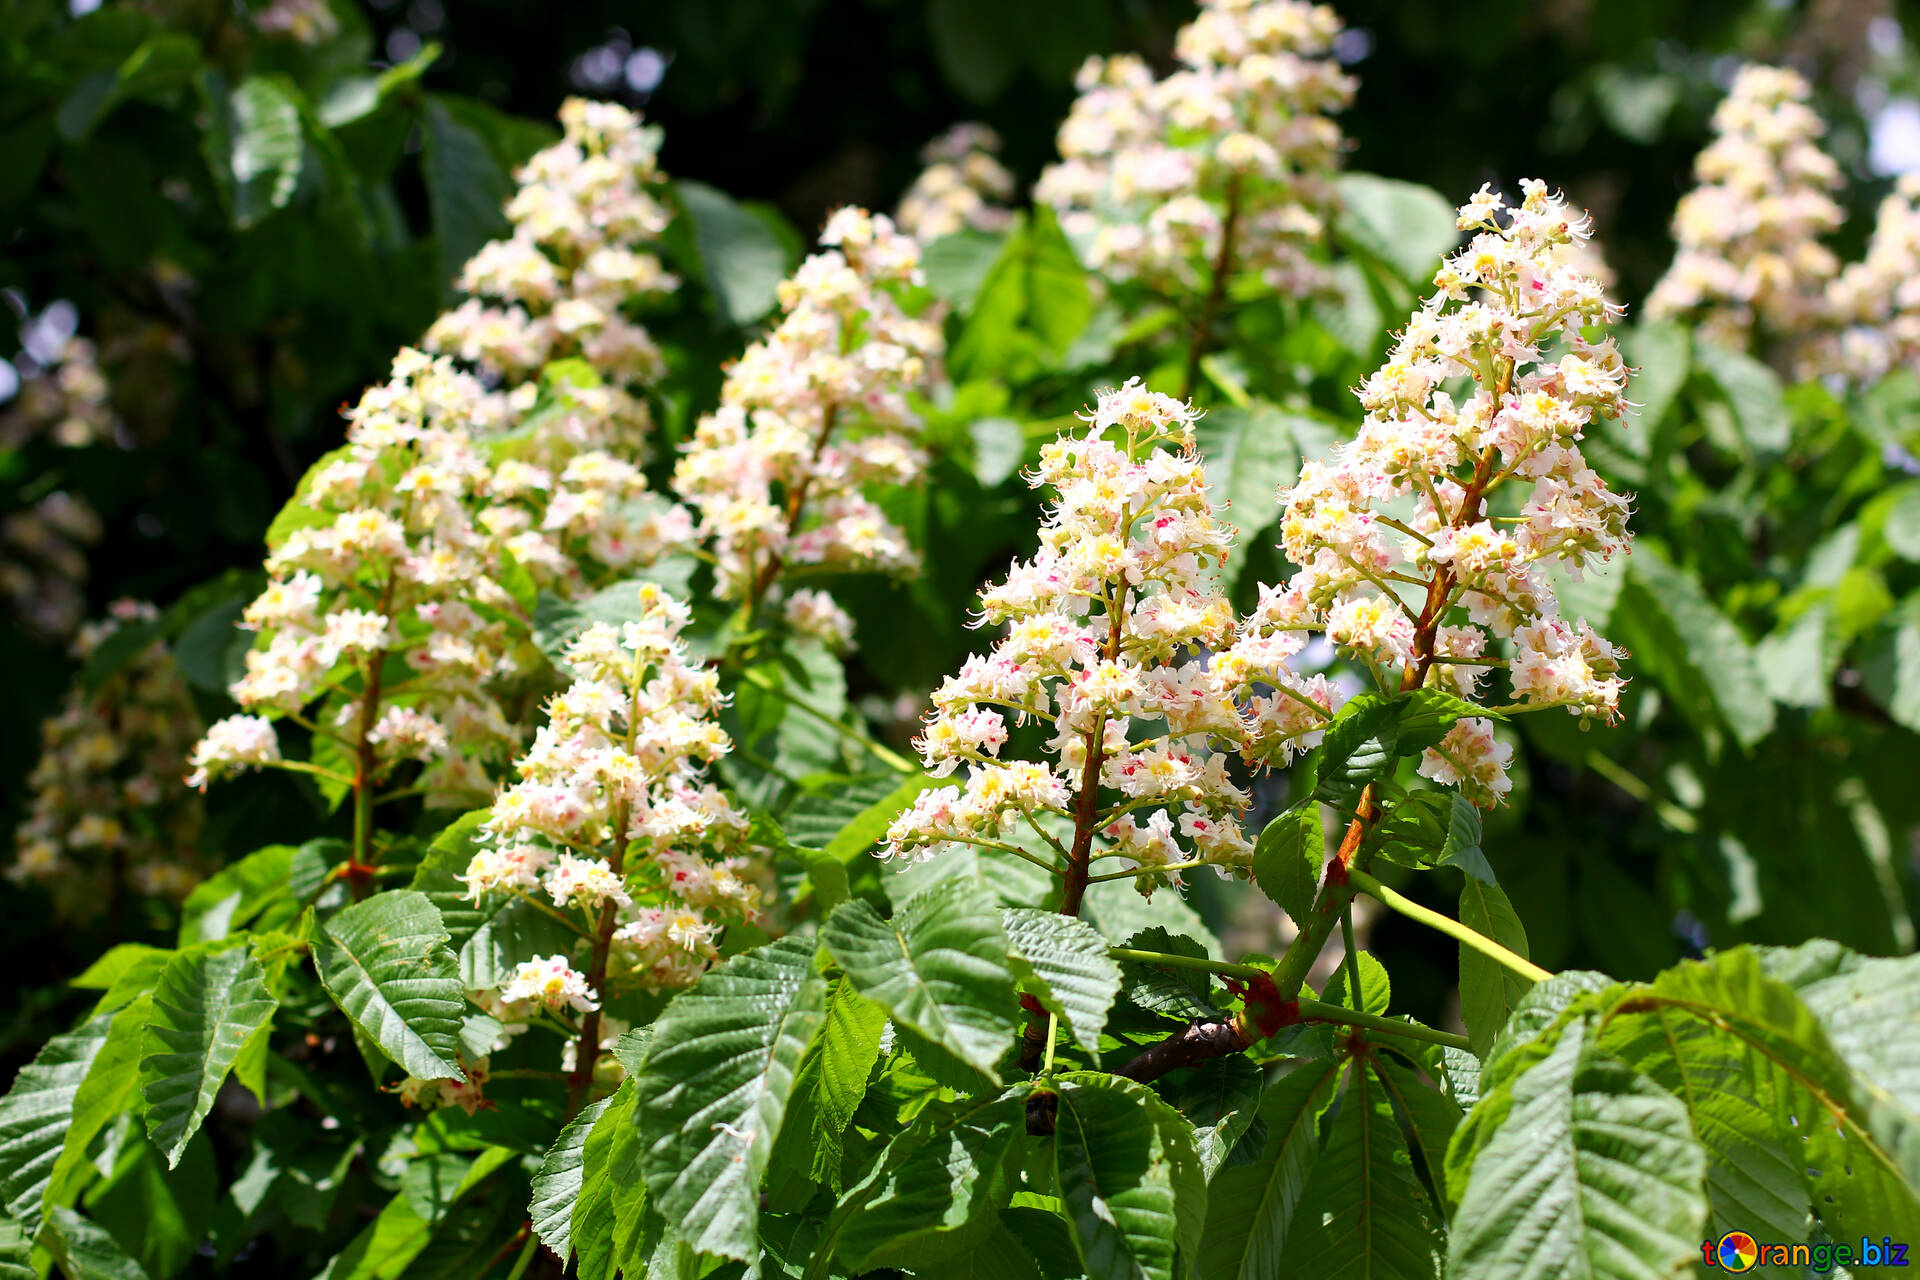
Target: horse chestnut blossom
[[585, 219], [384, 560], [815, 412], [1106, 628], [1490, 490], [1227, 164], [964, 185], [1877, 299], [610, 816], [108, 808], [1750, 265]]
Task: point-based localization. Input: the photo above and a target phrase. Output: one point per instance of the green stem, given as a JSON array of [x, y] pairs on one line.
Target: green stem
[[527, 1251], [893, 759], [1164, 960], [1352, 957], [1163, 869], [1316, 1011], [1053, 1025], [1452, 928], [561, 916]]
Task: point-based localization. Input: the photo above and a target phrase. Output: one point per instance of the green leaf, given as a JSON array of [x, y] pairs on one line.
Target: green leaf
[[438, 876], [103, 1092], [1771, 1097], [1372, 1217], [956, 265], [1251, 1207], [1128, 1177], [1405, 225], [556, 1188], [1697, 654], [612, 1202], [1662, 356], [208, 1004], [1361, 745], [1594, 1173], [743, 257], [1220, 1099], [236, 896], [131, 967], [1890, 664], [386, 963], [36, 1113], [1902, 527], [1288, 857], [714, 1093], [849, 1047], [1066, 967], [1752, 392], [1249, 454], [1376, 992], [1034, 302], [385, 1248], [1430, 1118], [467, 185], [939, 968], [1174, 993], [253, 144], [998, 1254], [936, 1193], [84, 1249], [16, 1252], [1488, 989]]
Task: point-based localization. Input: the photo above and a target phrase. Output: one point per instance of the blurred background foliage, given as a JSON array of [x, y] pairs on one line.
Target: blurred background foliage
[[247, 216]]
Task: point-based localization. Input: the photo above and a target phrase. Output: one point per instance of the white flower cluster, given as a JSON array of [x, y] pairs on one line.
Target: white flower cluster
[[43, 563], [389, 562], [1387, 591], [1750, 264], [578, 261], [65, 401], [1105, 626], [812, 414], [1877, 299], [618, 767], [963, 185], [1156, 174], [107, 801]]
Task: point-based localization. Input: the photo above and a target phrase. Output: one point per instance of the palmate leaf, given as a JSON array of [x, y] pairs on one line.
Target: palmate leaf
[[1250, 1208], [1761, 1077], [1288, 857], [386, 963], [1220, 1099], [1128, 1178], [1067, 968], [208, 1004], [939, 968], [1363, 1211], [35, 1115], [714, 1093], [935, 1192], [1594, 1173]]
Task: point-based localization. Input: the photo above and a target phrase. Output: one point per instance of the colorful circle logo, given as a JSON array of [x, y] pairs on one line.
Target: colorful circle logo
[[1737, 1251]]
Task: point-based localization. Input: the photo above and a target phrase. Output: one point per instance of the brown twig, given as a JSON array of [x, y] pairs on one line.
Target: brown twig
[[1216, 290]]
